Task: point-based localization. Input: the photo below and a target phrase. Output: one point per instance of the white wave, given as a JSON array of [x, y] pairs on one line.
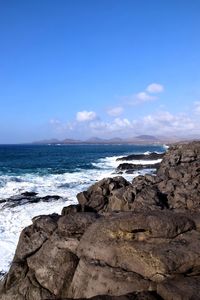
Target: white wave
[[147, 153], [13, 220], [166, 147]]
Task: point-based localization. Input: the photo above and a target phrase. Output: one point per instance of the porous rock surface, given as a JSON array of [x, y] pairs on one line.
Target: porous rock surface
[[138, 240]]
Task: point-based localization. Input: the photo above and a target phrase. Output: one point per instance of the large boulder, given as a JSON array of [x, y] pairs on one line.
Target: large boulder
[[46, 257], [155, 245]]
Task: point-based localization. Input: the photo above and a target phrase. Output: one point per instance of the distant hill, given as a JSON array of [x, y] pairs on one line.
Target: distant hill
[[146, 137], [56, 142], [94, 140], [70, 141], [43, 142], [140, 139]]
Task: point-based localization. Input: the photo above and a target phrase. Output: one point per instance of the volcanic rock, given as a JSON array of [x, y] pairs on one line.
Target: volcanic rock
[[151, 156], [131, 168], [123, 240]]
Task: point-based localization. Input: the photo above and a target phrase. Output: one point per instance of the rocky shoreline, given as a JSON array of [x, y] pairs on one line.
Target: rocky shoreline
[[138, 240], [152, 163]]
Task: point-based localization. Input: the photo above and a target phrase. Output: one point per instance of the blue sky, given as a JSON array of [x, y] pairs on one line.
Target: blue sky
[[82, 68]]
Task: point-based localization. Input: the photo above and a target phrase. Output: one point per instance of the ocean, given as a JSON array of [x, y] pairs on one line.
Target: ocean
[[62, 170]]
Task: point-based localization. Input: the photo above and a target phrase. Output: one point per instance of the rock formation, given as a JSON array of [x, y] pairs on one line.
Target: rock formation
[[131, 168], [151, 156], [138, 240]]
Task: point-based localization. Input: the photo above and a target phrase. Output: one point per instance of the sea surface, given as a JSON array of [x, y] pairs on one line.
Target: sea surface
[[62, 170]]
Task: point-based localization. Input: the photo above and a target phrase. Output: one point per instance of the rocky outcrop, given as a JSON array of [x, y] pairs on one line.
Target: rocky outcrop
[[176, 186], [123, 240], [27, 198], [131, 168], [151, 156]]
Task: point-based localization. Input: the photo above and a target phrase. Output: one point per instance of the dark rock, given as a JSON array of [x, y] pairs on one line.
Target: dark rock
[[132, 296], [45, 258], [28, 198], [117, 194], [92, 278], [151, 156], [53, 267], [179, 177], [76, 225], [73, 209], [180, 288], [98, 195], [29, 194], [153, 245], [131, 168]]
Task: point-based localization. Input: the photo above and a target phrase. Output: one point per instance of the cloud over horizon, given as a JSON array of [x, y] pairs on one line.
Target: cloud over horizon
[[159, 122], [84, 116]]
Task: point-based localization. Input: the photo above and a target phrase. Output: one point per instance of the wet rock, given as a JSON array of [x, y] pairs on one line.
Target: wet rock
[[28, 198], [151, 156], [131, 168]]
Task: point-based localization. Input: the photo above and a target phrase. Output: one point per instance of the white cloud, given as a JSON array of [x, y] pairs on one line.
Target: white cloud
[[197, 107], [115, 111], [155, 88], [84, 116], [159, 123], [166, 123], [144, 97]]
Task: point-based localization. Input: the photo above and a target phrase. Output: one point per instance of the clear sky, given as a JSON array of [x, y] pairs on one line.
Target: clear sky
[[106, 68]]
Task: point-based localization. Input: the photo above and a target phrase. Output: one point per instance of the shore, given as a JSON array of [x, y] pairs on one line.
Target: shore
[[126, 240]]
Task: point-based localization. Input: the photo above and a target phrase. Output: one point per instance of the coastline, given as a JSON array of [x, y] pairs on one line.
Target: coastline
[[17, 210], [139, 239]]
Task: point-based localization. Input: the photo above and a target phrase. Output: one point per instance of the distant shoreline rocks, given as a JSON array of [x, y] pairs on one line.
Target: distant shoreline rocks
[[150, 156], [150, 162]]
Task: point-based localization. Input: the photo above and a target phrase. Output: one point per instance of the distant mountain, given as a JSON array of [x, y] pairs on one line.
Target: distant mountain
[[116, 140], [50, 141], [140, 139], [94, 140], [56, 141], [70, 141], [146, 137]]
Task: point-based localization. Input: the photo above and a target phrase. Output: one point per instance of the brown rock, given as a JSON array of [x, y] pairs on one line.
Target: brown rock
[[147, 244], [92, 278], [180, 288]]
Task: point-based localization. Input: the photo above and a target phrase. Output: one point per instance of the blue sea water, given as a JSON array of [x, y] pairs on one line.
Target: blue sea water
[[62, 170], [58, 159]]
